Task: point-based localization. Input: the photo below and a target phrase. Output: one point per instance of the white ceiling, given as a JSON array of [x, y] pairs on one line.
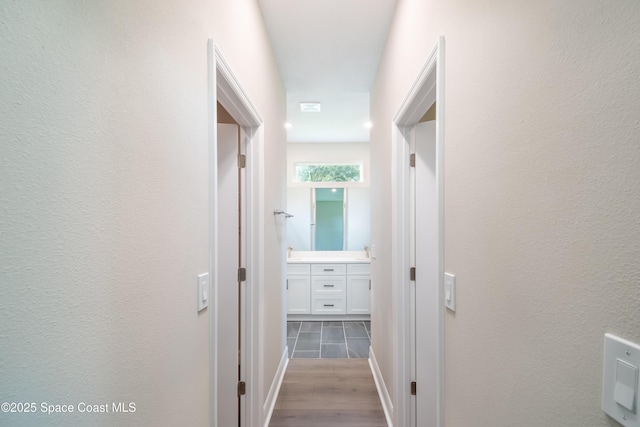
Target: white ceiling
[[328, 52]]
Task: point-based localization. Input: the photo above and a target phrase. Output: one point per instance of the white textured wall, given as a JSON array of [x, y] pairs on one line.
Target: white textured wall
[[104, 201], [542, 173]]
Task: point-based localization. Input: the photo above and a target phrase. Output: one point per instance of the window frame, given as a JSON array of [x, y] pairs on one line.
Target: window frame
[[358, 164]]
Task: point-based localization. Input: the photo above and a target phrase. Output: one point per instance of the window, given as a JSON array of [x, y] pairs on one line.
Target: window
[[328, 172]]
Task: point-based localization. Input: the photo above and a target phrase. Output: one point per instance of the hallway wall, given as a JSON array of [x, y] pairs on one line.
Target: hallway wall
[[104, 216], [542, 165]]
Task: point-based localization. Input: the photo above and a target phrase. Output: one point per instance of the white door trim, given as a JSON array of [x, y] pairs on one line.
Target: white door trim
[[225, 88], [427, 88]]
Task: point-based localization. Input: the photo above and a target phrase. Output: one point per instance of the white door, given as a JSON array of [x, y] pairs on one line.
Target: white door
[[426, 252], [228, 298]]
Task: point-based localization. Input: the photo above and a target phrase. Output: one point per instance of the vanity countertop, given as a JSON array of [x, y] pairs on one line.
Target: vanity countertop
[[316, 260], [346, 257]]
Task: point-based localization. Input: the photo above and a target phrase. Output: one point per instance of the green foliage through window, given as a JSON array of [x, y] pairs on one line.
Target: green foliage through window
[[328, 173]]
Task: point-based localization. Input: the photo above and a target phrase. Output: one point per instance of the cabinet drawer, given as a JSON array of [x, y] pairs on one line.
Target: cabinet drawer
[[358, 269], [328, 285], [298, 269], [328, 305], [328, 269]]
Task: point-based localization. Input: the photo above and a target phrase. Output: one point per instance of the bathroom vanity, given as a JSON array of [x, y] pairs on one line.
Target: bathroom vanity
[[325, 287]]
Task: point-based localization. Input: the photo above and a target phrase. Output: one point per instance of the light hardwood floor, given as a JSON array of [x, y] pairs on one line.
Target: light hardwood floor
[[328, 393]]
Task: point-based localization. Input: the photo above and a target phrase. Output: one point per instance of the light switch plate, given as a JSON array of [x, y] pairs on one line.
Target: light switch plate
[[203, 291], [450, 291], [620, 380]]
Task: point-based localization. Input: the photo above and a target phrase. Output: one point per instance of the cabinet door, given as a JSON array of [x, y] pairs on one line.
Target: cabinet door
[[358, 294], [298, 295]]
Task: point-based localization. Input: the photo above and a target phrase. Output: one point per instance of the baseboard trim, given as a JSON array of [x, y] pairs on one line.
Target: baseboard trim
[[383, 393], [272, 397]]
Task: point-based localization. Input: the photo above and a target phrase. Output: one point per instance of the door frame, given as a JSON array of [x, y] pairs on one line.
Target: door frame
[[427, 88], [224, 87]]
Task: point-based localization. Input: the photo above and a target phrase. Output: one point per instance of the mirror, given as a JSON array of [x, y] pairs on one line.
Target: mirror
[[328, 233], [328, 219]]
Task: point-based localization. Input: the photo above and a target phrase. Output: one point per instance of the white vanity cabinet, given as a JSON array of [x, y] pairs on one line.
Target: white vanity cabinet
[[330, 289], [298, 289]]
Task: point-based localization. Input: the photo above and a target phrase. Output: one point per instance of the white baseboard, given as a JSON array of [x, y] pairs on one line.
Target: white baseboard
[[272, 397], [383, 393]]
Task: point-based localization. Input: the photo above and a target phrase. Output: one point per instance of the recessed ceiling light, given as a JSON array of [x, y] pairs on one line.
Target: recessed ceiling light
[[310, 107], [287, 125], [368, 125]]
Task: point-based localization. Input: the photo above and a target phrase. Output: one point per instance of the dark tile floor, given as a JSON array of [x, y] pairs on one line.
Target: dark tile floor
[[324, 340]]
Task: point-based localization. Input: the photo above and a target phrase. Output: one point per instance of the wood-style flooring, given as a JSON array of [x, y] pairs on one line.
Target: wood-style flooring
[[328, 393]]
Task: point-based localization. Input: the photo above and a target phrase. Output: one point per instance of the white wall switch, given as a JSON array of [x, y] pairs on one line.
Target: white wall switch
[[203, 291], [450, 291], [620, 380]]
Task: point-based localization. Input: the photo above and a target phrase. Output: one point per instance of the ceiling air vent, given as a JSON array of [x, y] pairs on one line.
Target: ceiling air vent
[[310, 107]]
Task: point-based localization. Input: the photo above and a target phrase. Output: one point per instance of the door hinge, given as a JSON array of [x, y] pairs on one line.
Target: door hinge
[[413, 388], [412, 274], [412, 160], [242, 274], [242, 161], [242, 388]]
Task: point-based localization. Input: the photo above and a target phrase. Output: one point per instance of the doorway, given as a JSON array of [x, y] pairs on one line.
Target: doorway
[[234, 204], [418, 248], [327, 293]]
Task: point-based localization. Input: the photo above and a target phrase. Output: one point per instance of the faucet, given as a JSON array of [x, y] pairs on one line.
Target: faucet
[[289, 249], [366, 249]]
